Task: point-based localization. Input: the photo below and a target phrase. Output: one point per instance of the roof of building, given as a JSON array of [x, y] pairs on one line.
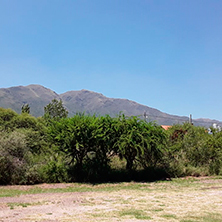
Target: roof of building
[[165, 127]]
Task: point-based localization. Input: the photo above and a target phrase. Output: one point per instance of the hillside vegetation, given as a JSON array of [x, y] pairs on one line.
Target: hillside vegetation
[[89, 148]]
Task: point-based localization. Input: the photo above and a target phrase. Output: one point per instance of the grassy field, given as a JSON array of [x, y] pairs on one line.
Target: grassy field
[[184, 200]]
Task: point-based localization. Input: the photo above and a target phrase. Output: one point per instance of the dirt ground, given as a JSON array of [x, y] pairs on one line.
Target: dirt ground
[[150, 202]]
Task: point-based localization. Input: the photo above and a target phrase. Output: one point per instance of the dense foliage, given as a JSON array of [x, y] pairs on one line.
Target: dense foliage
[[194, 151], [57, 148]]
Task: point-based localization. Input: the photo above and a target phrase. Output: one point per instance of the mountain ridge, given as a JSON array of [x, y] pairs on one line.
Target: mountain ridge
[[38, 96]]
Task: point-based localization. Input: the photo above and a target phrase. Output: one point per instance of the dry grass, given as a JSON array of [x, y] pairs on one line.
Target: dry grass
[[184, 200]]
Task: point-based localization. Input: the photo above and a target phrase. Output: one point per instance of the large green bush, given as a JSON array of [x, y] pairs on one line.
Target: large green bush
[[89, 142], [22, 139], [14, 155], [193, 151]]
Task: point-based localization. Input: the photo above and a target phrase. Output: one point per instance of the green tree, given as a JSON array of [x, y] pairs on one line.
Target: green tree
[[154, 145], [129, 141], [26, 108], [55, 110], [104, 138], [75, 136], [138, 142]]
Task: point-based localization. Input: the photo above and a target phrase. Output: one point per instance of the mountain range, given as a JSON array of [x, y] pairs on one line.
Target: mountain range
[[38, 97]]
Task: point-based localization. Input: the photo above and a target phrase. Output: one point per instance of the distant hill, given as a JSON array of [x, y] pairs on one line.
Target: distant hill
[[86, 101], [35, 95]]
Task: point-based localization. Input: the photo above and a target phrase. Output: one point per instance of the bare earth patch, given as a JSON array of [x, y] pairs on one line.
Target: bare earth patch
[[183, 200]]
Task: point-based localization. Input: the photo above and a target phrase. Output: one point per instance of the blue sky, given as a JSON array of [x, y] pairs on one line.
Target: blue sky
[[166, 54]]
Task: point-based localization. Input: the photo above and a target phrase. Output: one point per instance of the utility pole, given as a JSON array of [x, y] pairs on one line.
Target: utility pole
[[145, 116], [190, 120]]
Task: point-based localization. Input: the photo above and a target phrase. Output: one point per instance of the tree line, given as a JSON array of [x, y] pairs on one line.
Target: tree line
[[90, 148]]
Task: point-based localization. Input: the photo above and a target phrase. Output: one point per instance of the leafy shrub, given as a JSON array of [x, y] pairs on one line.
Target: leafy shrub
[[22, 139], [14, 155], [194, 151], [56, 169]]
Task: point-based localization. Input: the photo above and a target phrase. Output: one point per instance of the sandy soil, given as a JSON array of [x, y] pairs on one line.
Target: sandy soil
[[162, 202]]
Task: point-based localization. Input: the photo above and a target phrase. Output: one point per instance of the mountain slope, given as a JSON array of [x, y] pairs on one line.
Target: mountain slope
[[35, 95], [91, 102], [86, 101]]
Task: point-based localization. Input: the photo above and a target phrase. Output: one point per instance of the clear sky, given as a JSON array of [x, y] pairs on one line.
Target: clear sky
[[166, 54]]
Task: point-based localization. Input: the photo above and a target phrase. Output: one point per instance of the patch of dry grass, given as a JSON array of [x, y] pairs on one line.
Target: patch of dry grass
[[183, 200]]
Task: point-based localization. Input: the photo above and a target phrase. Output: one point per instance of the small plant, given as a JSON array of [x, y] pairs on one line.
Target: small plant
[[13, 205], [168, 216], [138, 214]]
